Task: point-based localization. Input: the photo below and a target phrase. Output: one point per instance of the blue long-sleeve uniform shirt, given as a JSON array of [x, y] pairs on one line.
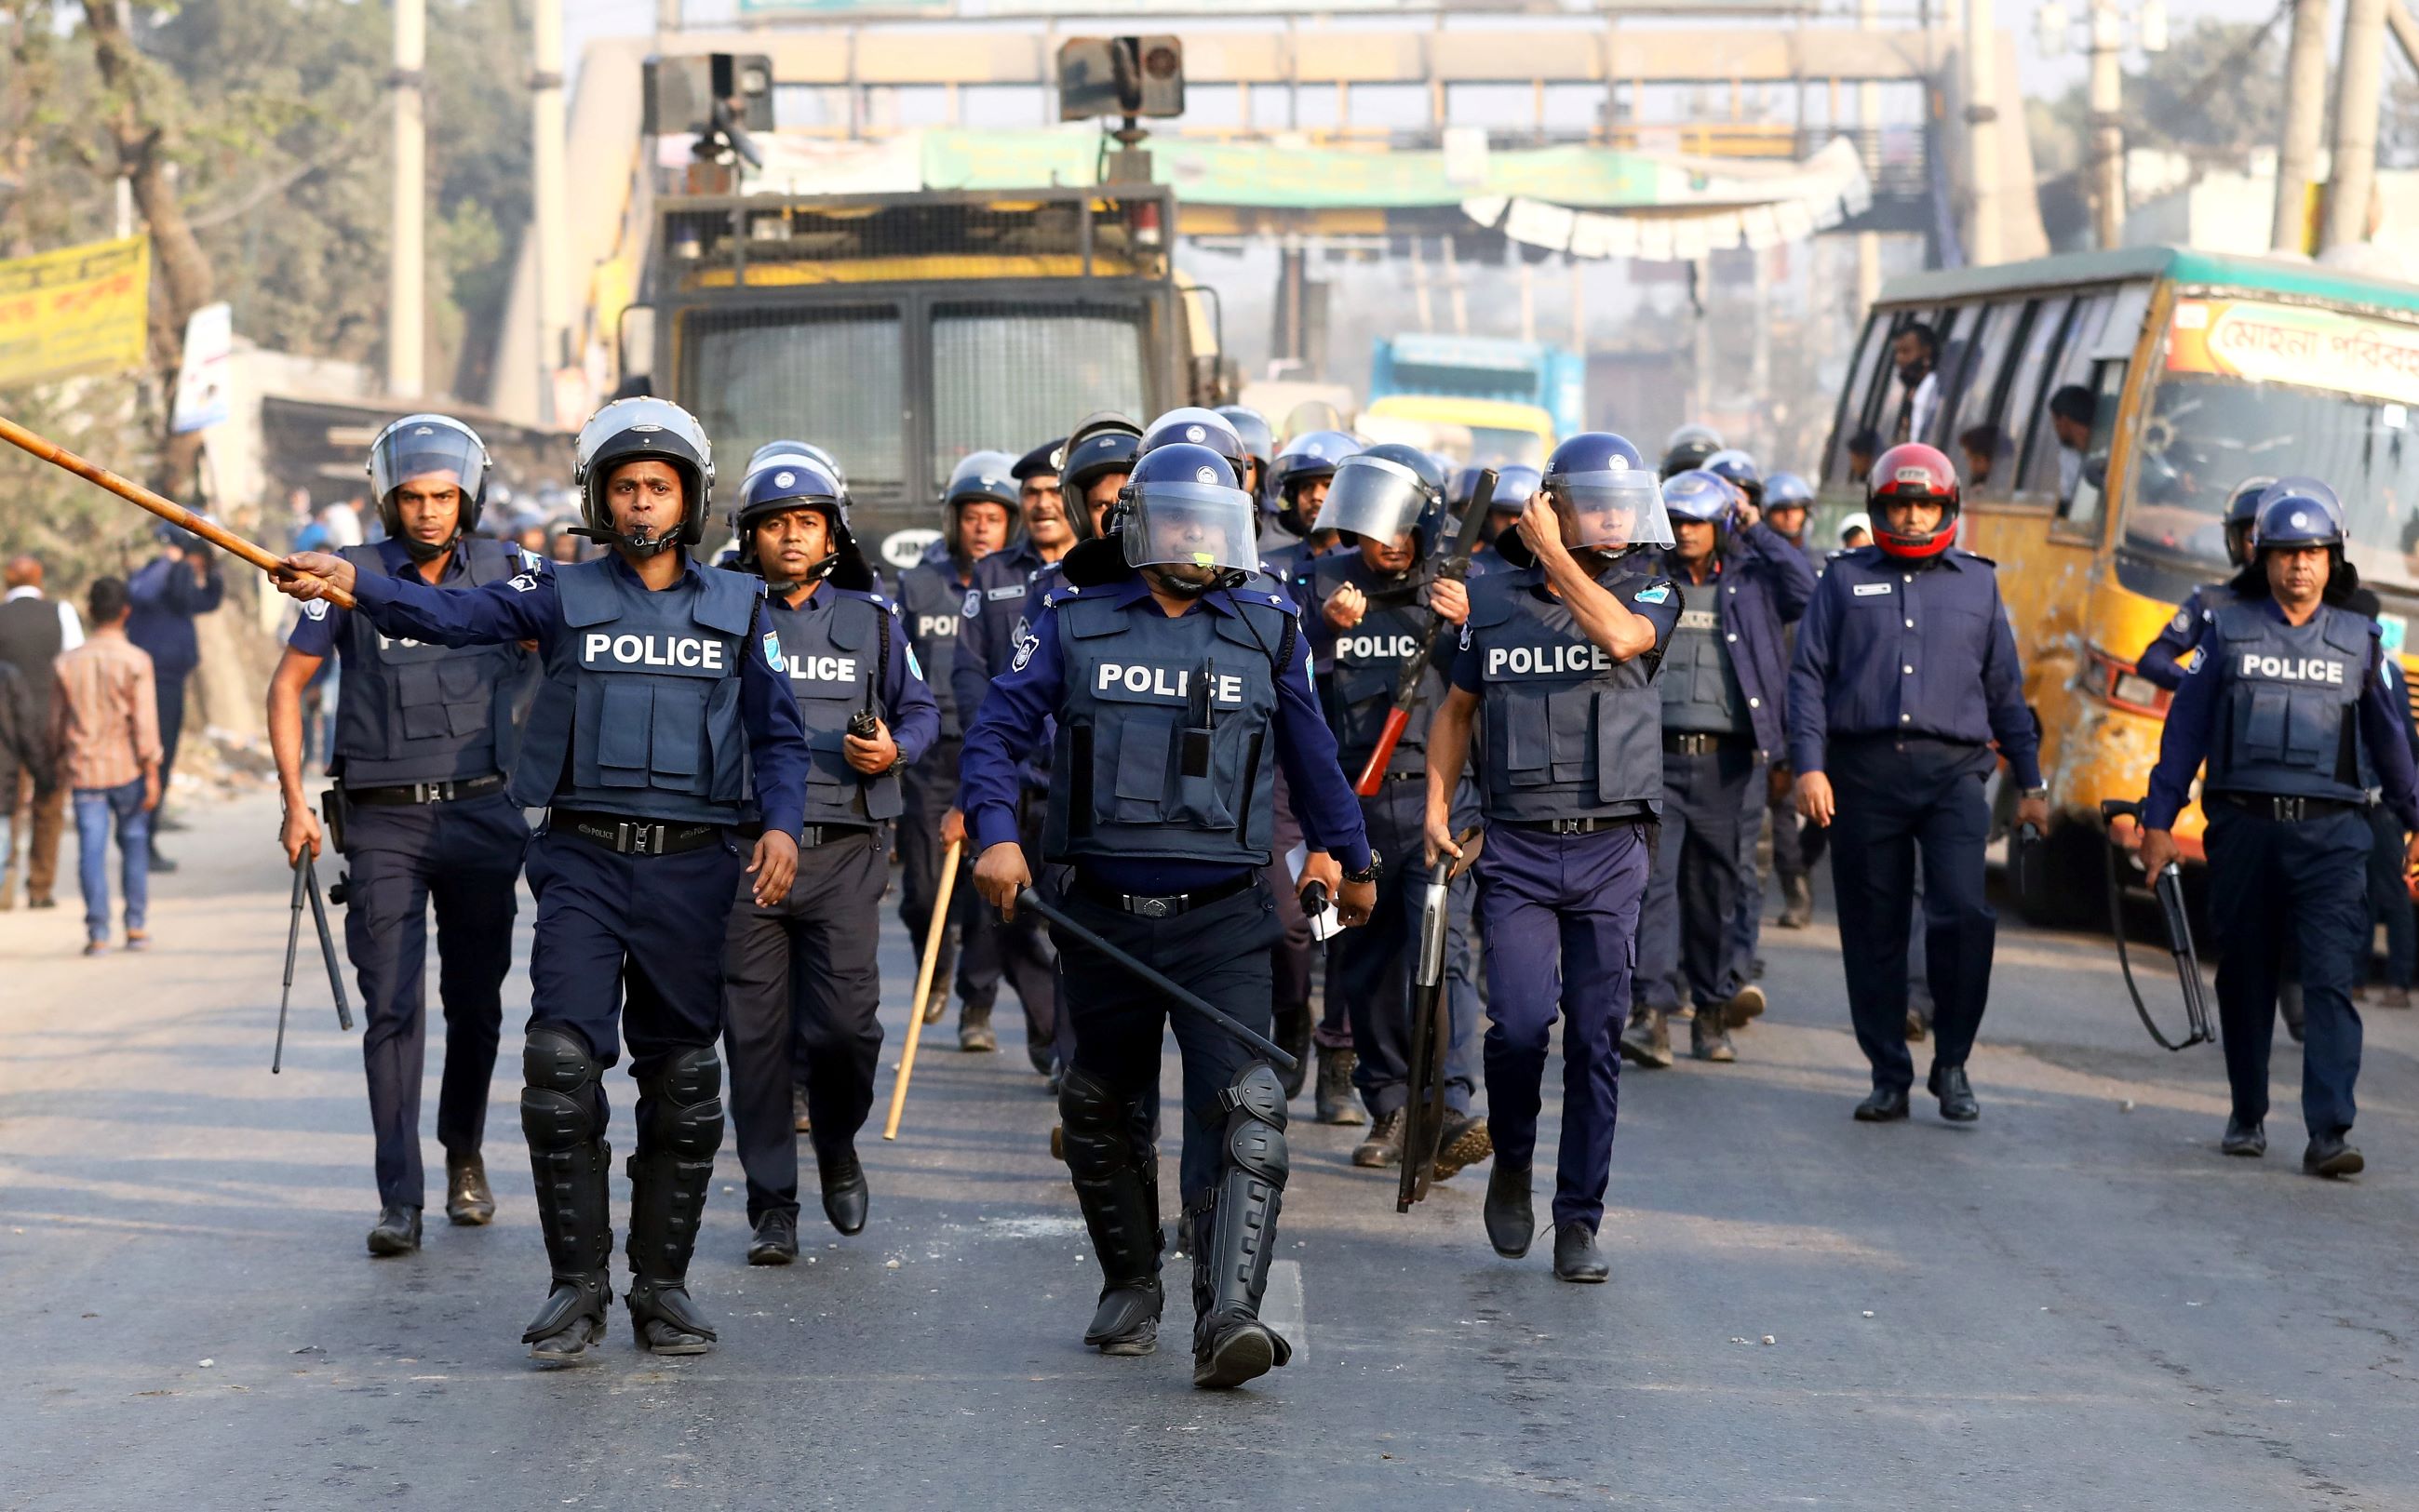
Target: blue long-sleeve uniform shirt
[[1013, 717], [527, 607], [2192, 723], [1898, 648], [165, 598], [1762, 588], [2161, 661]]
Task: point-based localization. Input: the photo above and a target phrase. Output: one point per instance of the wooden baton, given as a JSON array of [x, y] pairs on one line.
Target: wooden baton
[[933, 935], [168, 510]]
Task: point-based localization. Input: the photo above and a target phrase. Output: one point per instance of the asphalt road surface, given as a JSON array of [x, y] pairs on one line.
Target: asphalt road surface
[[2074, 1304]]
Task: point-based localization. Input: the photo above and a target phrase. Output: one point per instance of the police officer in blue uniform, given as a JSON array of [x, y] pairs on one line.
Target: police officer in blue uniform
[[1687, 448], [1514, 486], [663, 707], [1373, 603], [1907, 674], [800, 970], [1725, 680], [423, 736], [977, 509], [2163, 660], [2291, 708], [1559, 657], [1298, 482], [1259, 444], [1175, 686], [1788, 500]]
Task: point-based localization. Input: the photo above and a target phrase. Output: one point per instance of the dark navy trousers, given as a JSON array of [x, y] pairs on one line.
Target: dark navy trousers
[[2274, 885], [802, 989], [1896, 799], [1560, 917], [1220, 953], [1704, 861], [629, 948], [1369, 969], [465, 858]]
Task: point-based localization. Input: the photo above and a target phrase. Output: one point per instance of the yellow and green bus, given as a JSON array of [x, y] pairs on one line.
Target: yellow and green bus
[[2201, 371]]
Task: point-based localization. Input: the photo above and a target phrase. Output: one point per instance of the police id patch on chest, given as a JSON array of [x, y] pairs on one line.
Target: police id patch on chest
[[1698, 619], [1867, 590]]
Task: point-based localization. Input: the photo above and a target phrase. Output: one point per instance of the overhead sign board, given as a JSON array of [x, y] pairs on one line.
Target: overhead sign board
[[78, 310]]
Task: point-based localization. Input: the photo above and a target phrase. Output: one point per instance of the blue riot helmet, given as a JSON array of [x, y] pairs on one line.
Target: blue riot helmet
[[792, 482], [1259, 441], [1787, 491], [2298, 512], [980, 477], [775, 448], [1701, 496], [644, 429], [1304, 460], [2241, 514], [1194, 426], [1386, 491], [1182, 515], [1738, 469], [423, 445], [1606, 497], [1689, 447]]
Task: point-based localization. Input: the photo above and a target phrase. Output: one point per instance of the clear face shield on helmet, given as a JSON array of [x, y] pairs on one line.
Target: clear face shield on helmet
[[430, 447], [1373, 498], [1615, 511], [1192, 532]]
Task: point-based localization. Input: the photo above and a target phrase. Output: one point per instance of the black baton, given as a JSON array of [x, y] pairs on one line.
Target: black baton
[[326, 945], [2168, 888], [1267, 1048], [293, 942]]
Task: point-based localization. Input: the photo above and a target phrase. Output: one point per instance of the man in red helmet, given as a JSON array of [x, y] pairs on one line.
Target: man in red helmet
[[1905, 679]]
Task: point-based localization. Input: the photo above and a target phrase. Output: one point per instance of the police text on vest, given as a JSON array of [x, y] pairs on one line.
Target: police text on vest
[[2292, 668], [694, 652], [1546, 661], [1164, 682]]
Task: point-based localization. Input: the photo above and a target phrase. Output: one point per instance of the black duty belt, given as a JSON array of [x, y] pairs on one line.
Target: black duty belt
[[627, 836], [825, 834], [2287, 808], [411, 794], [1163, 904], [1590, 826], [1695, 743]]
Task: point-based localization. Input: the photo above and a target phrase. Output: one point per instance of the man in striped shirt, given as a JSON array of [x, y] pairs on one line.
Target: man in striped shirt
[[105, 727]]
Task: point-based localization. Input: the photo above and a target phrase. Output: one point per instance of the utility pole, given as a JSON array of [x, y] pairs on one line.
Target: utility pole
[[405, 324], [2306, 112], [2107, 123], [545, 196], [2359, 79], [1982, 247], [1868, 126]]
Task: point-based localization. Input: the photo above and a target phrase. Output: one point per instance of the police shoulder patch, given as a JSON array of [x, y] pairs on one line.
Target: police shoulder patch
[[972, 606], [773, 653], [1655, 592], [1465, 634], [1024, 654], [2181, 621], [523, 583], [316, 609], [914, 665]]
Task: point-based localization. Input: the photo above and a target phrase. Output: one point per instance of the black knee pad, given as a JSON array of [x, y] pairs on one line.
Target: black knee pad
[[1256, 1119], [1085, 1103], [684, 1103], [560, 1094]]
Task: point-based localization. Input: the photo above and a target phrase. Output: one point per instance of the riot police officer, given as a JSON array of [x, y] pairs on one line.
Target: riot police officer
[[1176, 687], [1724, 680], [1298, 484], [1788, 499], [1744, 474], [663, 704], [1559, 657], [800, 970], [977, 509], [1905, 676], [1259, 443], [1375, 605], [2161, 661], [424, 734], [1515, 485], [2287, 698], [1689, 447]]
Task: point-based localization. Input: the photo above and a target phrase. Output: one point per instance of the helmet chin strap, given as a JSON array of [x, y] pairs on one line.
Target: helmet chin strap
[[637, 543], [424, 551]]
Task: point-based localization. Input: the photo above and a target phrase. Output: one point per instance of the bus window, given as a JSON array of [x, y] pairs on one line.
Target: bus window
[[1985, 454], [2021, 411], [2079, 501], [1011, 376], [2044, 470], [1957, 344], [1850, 418], [830, 376]]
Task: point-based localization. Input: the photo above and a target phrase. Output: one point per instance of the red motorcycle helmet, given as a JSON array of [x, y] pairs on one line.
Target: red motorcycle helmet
[[1913, 471]]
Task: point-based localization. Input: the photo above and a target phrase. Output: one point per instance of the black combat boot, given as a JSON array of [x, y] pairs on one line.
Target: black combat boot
[[467, 1200], [396, 1232], [1235, 1227], [1334, 1101], [1384, 1147], [680, 1128], [560, 1104], [1120, 1208]]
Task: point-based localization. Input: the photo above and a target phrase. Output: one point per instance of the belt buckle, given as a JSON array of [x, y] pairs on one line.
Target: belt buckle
[[2291, 809], [1150, 908], [1569, 827], [432, 792], [639, 839]]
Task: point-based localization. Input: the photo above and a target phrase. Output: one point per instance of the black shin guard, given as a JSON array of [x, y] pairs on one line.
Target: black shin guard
[[1120, 1208], [1234, 1228], [680, 1128], [560, 1103]]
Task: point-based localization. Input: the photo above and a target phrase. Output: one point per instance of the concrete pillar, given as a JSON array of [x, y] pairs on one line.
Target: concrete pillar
[[2107, 137], [2359, 84], [407, 323], [1983, 246], [547, 223]]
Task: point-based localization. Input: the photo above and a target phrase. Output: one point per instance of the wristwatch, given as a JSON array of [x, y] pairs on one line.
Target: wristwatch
[[1368, 873], [2034, 792]]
